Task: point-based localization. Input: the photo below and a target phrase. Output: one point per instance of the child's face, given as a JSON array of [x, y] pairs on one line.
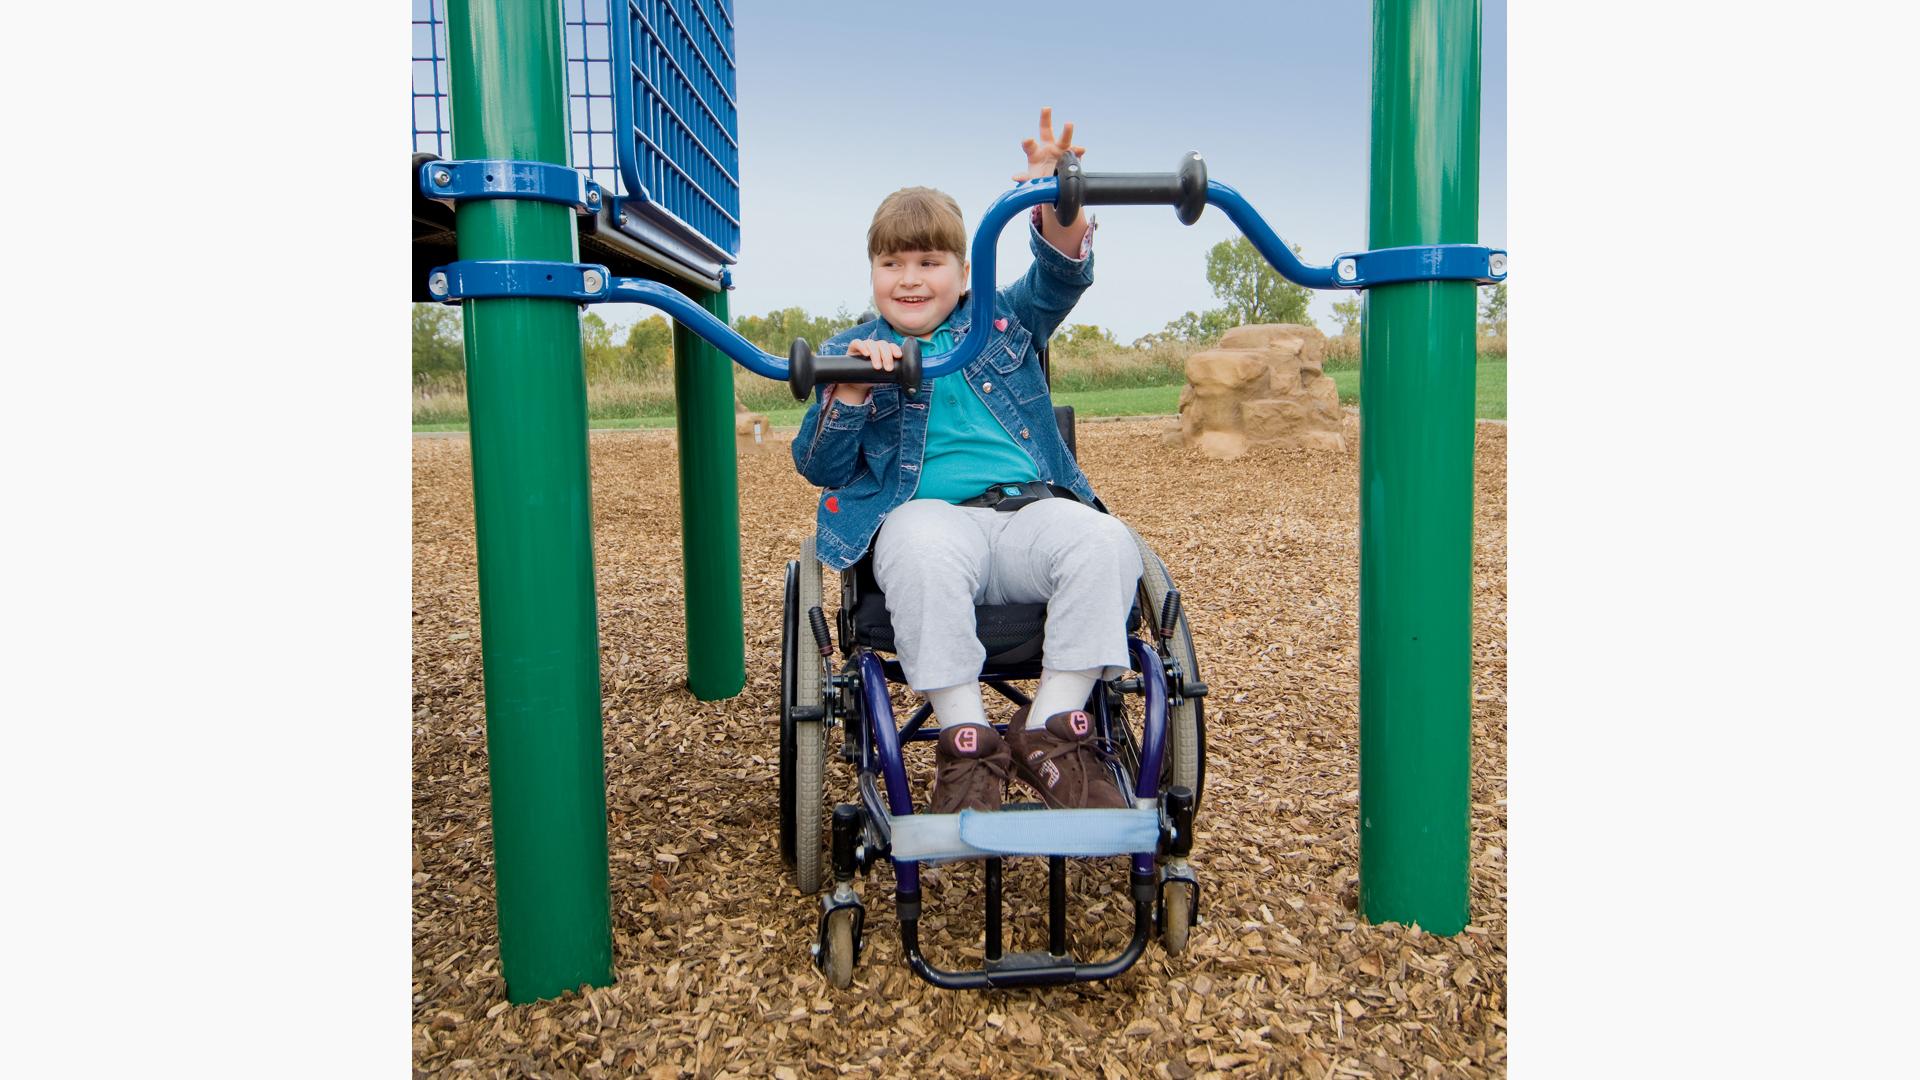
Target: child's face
[[917, 290]]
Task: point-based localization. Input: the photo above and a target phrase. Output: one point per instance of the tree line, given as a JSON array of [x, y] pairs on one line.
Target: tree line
[[1248, 288]]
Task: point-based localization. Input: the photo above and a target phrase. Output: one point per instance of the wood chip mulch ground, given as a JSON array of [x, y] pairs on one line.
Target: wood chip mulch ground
[[711, 939]]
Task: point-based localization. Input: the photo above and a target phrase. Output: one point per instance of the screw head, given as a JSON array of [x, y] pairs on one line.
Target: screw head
[[623, 217], [1347, 269], [1497, 264], [437, 284], [442, 177], [591, 279], [593, 196]]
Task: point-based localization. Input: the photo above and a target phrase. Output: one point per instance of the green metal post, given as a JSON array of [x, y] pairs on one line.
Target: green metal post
[[527, 413], [1416, 471], [709, 510]]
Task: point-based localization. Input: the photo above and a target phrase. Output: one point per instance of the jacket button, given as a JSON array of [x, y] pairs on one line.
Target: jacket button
[[988, 387], [1023, 433]]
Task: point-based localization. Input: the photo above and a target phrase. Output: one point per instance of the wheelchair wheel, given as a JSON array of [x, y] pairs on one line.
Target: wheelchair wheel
[[1186, 759], [839, 947], [803, 743], [1176, 916]]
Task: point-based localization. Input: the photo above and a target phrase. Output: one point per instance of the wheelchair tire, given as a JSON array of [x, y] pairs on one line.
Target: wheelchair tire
[[1186, 722], [808, 804], [1176, 916], [789, 626], [839, 946]]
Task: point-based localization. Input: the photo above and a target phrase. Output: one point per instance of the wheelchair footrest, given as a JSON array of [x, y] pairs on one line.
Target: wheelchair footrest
[[974, 834]]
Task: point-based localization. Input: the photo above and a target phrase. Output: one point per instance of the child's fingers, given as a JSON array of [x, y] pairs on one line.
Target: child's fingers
[[1079, 151], [1066, 134], [1046, 123]]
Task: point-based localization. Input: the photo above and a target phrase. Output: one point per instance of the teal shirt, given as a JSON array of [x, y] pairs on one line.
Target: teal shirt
[[967, 449]]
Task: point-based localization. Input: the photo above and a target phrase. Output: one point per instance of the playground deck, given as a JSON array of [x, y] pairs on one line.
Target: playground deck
[[710, 940]]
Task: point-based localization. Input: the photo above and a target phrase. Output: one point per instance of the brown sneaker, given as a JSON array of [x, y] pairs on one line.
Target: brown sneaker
[[972, 764], [1062, 761]]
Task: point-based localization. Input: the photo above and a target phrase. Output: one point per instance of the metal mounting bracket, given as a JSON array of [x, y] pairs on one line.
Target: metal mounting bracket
[[521, 279], [1435, 262], [452, 181]]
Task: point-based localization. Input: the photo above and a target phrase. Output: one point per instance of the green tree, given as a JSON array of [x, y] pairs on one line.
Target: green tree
[[605, 362], [1082, 339], [1348, 312], [774, 332], [1493, 310], [437, 354], [1192, 328], [649, 346], [1251, 289]]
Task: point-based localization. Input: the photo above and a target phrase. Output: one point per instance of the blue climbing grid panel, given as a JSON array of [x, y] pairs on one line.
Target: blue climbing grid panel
[[677, 169], [678, 118]]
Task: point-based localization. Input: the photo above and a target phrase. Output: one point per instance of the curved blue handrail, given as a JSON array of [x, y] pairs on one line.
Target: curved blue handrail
[[986, 243], [585, 283]]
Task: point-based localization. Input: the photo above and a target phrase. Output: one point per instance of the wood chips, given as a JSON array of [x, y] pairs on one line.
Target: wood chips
[[710, 939]]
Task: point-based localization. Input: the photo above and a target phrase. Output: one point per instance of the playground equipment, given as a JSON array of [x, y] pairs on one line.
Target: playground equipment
[[519, 276]]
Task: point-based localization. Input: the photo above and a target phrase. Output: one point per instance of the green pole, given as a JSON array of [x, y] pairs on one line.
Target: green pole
[[527, 410], [709, 510], [1416, 471]]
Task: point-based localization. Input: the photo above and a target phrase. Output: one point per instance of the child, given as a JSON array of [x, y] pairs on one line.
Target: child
[[912, 475]]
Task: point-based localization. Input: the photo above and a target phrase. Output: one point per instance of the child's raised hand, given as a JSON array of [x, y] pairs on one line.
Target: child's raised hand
[[1045, 153]]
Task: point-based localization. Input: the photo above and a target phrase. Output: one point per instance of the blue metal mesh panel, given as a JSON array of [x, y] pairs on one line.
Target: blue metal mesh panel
[[685, 120], [680, 158], [432, 123], [589, 87]]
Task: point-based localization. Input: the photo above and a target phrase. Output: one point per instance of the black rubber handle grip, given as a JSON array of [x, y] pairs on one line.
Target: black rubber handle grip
[[1185, 189], [1073, 189], [805, 370]]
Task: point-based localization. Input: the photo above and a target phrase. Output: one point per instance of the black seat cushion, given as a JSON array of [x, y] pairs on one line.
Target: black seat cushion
[[1011, 633]]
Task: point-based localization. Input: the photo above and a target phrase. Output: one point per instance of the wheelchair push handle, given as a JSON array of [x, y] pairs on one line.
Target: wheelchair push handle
[[805, 370], [1185, 188]]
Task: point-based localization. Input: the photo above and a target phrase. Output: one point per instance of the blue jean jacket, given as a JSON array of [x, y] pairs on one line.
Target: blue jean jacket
[[867, 457]]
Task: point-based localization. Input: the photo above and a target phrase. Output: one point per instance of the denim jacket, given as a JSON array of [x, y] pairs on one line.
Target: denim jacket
[[867, 457]]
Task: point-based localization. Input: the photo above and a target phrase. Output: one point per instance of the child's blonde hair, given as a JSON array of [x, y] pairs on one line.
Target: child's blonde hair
[[917, 219]]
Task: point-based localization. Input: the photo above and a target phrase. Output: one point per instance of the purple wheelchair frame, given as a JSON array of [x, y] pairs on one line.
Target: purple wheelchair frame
[[860, 835]]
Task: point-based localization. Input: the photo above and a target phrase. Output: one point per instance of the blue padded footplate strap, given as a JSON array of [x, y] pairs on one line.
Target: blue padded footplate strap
[[973, 834]]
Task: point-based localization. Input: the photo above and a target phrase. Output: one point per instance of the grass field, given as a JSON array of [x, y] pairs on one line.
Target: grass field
[[446, 411]]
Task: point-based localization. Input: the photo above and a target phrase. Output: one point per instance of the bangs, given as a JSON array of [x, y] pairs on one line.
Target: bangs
[[917, 219]]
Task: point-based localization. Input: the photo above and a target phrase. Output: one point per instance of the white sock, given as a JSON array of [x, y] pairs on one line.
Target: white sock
[[1061, 691], [959, 704]]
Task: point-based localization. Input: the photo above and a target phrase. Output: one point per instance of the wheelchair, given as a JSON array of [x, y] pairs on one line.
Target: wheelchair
[[1152, 720]]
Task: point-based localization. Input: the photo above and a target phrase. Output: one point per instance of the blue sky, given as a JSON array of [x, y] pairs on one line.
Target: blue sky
[[841, 103]]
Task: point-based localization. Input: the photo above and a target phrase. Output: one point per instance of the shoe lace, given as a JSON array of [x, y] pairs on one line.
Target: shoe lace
[[1102, 756]]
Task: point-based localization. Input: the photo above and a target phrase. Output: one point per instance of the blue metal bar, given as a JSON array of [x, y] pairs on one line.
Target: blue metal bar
[[886, 741], [1153, 732]]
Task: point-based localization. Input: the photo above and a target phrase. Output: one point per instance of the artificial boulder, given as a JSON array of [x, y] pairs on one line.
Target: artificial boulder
[[1262, 385]]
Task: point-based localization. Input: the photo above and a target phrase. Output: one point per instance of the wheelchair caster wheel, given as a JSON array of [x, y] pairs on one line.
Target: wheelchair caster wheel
[[1176, 915], [836, 948]]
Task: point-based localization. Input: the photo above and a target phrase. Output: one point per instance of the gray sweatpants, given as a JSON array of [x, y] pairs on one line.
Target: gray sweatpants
[[935, 561]]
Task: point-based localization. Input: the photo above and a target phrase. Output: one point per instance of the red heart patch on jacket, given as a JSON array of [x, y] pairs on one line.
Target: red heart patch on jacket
[[833, 504], [999, 324]]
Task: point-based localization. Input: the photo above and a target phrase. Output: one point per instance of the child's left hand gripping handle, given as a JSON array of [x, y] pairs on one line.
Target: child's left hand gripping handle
[[805, 370]]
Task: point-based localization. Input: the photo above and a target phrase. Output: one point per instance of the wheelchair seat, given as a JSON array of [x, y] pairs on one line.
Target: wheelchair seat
[[1011, 633]]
